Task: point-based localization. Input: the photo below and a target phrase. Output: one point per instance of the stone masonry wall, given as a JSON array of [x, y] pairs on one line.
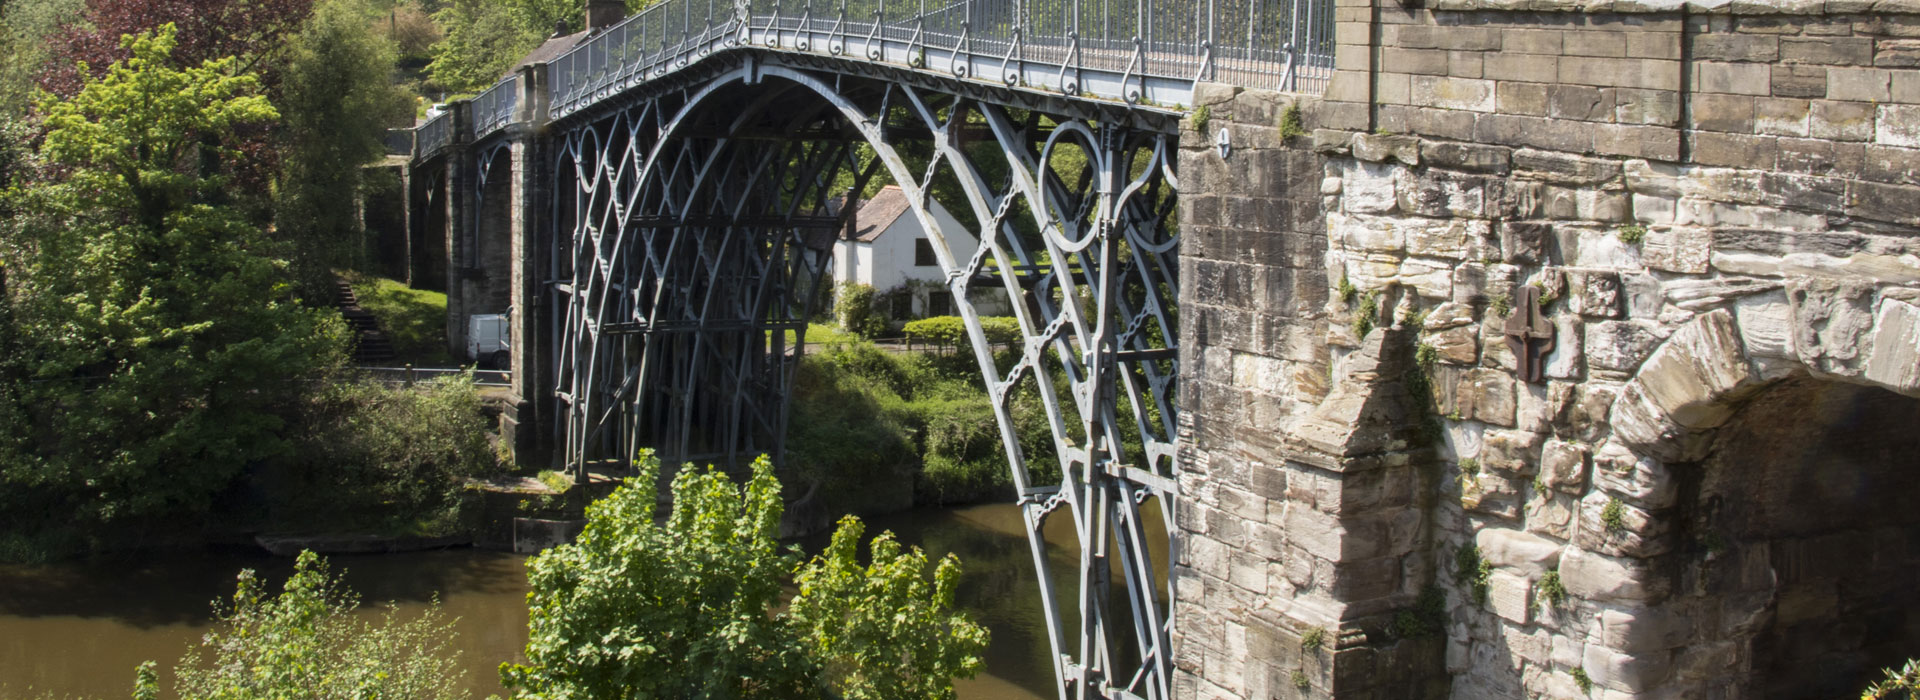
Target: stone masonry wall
[[1708, 200]]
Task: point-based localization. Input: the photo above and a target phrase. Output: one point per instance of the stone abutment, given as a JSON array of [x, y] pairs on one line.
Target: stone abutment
[[1565, 355]]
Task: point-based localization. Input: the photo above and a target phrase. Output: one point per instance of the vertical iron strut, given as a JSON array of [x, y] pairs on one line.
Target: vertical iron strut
[[691, 232]]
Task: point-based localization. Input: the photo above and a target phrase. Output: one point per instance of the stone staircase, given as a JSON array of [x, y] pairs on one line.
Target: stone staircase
[[371, 346]]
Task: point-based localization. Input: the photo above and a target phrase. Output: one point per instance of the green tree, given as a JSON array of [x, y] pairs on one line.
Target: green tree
[[486, 37], [25, 26], [154, 333], [308, 643], [883, 631], [338, 97], [686, 609], [483, 41]]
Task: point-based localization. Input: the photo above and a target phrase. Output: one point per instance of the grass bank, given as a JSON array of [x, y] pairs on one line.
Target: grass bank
[[414, 319]]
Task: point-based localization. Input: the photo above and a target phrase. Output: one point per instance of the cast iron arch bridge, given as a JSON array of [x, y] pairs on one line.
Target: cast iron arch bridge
[[666, 196]]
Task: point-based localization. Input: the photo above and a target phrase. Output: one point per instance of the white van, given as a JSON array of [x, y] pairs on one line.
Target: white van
[[487, 340]]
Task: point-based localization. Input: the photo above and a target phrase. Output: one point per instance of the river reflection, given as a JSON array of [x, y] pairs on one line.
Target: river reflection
[[81, 628]]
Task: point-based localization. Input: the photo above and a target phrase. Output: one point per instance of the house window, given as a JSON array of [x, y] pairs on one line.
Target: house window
[[923, 253], [939, 304]]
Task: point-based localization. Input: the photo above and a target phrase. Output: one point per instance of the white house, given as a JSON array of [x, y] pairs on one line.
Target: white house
[[887, 249]]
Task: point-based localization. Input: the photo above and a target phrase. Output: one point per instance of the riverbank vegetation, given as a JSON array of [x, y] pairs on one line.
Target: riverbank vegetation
[[693, 607], [311, 642], [162, 363], [879, 417]]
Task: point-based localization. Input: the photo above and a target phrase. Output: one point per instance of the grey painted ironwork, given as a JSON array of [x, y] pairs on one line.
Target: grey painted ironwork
[[1147, 52], [493, 110], [434, 135], [691, 231]]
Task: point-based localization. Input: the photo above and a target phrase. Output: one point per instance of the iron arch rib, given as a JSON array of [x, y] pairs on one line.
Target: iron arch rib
[[691, 235]]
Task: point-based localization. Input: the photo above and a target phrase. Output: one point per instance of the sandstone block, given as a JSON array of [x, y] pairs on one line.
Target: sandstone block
[[1731, 78], [1639, 630], [1460, 346], [1445, 92], [1632, 673], [1595, 294], [1895, 359], [1640, 482], [1521, 554], [1828, 51], [1551, 516], [1566, 360], [1618, 346], [1841, 121], [1780, 116], [1510, 597], [1659, 107], [1431, 278], [1736, 47], [1799, 81], [1470, 157], [1701, 365], [1605, 579], [1683, 249], [1486, 395], [1510, 452], [1564, 168], [1525, 243], [1563, 466], [1906, 87], [1859, 84], [1367, 188], [1382, 147], [1830, 320], [1898, 125], [1733, 113], [1521, 98]]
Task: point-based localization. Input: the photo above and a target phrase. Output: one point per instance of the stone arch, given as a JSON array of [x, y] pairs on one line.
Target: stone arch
[[1641, 555]]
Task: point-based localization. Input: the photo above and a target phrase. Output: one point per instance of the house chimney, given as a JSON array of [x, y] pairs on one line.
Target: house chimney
[[602, 14]]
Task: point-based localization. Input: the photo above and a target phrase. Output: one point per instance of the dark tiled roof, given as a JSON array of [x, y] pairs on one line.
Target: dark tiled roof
[[547, 52], [875, 215]]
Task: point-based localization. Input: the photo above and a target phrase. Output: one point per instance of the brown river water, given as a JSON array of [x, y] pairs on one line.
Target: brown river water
[[80, 629]]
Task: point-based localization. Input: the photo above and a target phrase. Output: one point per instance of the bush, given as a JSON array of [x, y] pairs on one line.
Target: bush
[[951, 331], [853, 308], [385, 457], [944, 331], [687, 608], [309, 642]]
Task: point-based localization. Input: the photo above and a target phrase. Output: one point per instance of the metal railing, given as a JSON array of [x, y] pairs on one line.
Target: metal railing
[[1134, 50], [408, 376], [493, 109], [398, 142], [434, 135]]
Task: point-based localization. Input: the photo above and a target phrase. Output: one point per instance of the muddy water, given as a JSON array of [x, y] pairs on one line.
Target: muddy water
[[80, 629]]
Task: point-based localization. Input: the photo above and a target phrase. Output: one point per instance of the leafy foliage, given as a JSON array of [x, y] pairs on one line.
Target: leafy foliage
[[208, 30], [853, 309], [951, 331], [1901, 684], [154, 334], [686, 608], [483, 40], [25, 27], [884, 631], [338, 97], [370, 453], [308, 643]]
